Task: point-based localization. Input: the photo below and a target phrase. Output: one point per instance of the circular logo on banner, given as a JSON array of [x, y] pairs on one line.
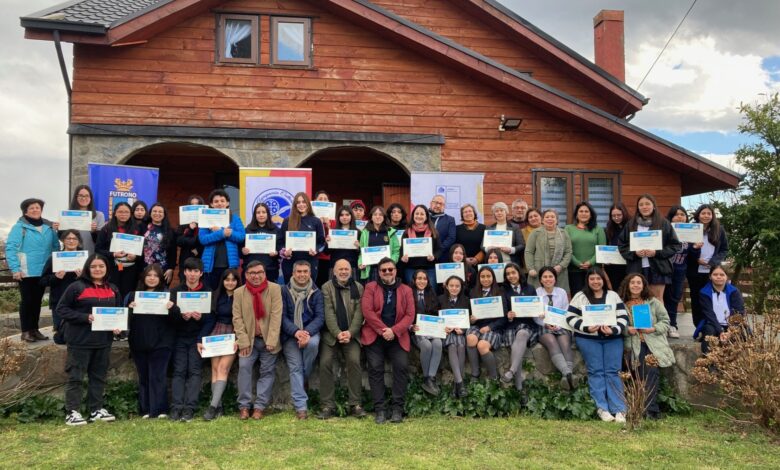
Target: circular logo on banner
[[279, 203], [441, 190]]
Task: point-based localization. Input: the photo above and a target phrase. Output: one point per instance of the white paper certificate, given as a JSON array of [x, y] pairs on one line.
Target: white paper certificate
[[68, 261], [418, 247], [194, 301], [361, 224], [487, 307], [527, 306], [497, 238], [556, 317], [324, 209], [76, 220], [109, 318], [498, 269], [691, 233], [132, 244], [260, 243], [151, 303], [647, 240], [596, 315], [446, 270], [218, 345], [300, 241], [190, 214], [608, 254], [371, 255], [208, 218], [430, 325], [455, 318], [342, 239]]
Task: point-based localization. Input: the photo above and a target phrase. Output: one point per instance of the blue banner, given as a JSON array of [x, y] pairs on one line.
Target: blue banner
[[112, 184]]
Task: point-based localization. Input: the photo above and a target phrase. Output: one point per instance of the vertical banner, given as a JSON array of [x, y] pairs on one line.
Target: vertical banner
[[457, 188], [274, 186], [112, 184]]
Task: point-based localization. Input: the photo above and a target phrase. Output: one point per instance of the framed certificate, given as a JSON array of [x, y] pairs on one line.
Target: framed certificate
[[208, 218], [446, 270], [324, 209], [76, 220], [691, 233], [608, 254], [593, 315], [498, 269], [497, 238], [68, 261], [371, 255], [300, 241], [556, 317], [343, 239], [647, 240], [190, 214], [260, 243], [418, 247], [361, 224], [151, 303], [194, 301], [527, 306], [641, 316], [455, 318], [109, 318], [133, 244], [430, 325], [487, 307], [218, 345]]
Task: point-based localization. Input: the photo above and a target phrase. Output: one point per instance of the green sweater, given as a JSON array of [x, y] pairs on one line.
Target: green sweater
[[583, 244]]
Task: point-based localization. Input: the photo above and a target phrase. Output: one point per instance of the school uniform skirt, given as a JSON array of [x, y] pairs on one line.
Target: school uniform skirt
[[457, 340], [512, 329], [558, 332], [492, 337], [222, 329]]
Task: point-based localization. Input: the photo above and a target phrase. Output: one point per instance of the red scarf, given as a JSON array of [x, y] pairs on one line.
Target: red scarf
[[257, 300], [411, 232]]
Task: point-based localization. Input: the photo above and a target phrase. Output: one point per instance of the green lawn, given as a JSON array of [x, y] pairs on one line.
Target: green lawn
[[700, 441]]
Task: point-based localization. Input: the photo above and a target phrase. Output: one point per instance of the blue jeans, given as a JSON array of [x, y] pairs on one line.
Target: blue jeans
[[300, 362], [674, 292], [265, 378], [603, 358]]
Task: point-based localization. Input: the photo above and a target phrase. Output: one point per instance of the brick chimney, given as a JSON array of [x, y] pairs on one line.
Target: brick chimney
[[608, 42]]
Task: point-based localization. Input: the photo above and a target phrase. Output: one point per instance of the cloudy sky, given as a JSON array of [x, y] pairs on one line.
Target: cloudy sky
[[725, 53]]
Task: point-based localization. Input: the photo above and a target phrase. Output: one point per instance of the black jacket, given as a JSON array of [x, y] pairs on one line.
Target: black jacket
[[75, 307], [527, 290], [187, 240], [661, 263], [56, 286], [149, 332], [185, 329]]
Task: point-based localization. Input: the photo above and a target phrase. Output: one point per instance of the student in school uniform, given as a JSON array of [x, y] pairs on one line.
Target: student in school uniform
[[426, 303], [485, 335], [702, 257], [455, 297], [519, 333], [555, 339]]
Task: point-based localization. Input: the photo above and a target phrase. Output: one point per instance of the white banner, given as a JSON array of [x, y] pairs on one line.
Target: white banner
[[274, 186], [457, 188]]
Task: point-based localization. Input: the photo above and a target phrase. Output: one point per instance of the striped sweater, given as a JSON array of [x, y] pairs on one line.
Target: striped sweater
[[577, 305]]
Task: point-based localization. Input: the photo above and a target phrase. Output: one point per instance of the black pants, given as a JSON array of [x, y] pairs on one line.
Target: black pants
[[616, 274], [125, 280], [709, 330], [152, 367], [696, 281], [651, 376], [376, 353], [576, 280], [211, 280], [30, 306], [95, 363], [187, 364]]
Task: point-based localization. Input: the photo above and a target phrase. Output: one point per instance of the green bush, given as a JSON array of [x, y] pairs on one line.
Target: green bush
[[669, 401], [122, 399], [9, 300], [40, 408]]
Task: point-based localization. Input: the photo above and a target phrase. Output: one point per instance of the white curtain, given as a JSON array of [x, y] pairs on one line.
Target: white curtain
[[291, 35], [235, 31]]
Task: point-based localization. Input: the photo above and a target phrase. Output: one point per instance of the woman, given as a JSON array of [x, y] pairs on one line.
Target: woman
[[548, 245], [601, 345], [485, 335], [584, 235], [455, 297], [151, 345], [421, 227], [220, 323], [140, 213], [493, 256], [458, 255], [673, 294], [323, 258], [718, 299], [514, 252], [519, 333], [59, 281], [426, 303], [345, 220], [160, 242], [470, 234], [83, 200], [618, 216], [557, 340], [643, 341], [377, 233], [704, 256], [221, 244], [533, 221], [397, 217], [88, 351], [261, 223], [123, 272], [301, 219], [187, 237], [30, 242]]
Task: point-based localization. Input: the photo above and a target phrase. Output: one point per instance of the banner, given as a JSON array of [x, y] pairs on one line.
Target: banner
[[112, 184], [274, 186], [457, 188]]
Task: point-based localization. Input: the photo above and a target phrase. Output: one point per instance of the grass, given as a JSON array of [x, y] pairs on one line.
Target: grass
[[697, 441]]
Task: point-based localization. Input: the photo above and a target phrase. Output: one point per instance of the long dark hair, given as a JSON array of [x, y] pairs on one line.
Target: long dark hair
[[673, 211], [142, 280], [86, 275], [165, 224], [198, 198], [454, 247], [713, 228], [625, 293], [495, 290], [428, 293], [592, 222], [461, 293], [520, 276], [587, 290], [146, 214], [404, 216], [495, 251], [428, 221], [614, 229], [113, 225], [74, 201], [220, 291], [370, 224], [657, 221], [254, 225], [345, 210]]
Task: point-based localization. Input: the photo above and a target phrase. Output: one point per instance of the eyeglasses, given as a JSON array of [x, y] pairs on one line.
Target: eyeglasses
[[71, 239], [82, 196], [255, 273], [387, 270]]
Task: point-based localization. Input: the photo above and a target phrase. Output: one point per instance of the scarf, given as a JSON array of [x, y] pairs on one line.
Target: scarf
[[411, 232], [471, 226], [341, 309], [644, 222], [299, 295], [389, 289], [435, 217], [257, 299], [557, 255], [34, 222]]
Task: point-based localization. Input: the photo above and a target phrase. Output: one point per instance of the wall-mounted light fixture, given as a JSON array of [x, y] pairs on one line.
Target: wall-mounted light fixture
[[509, 123]]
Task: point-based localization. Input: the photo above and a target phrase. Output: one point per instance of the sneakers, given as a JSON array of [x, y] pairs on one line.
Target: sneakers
[[187, 415], [379, 417], [358, 411], [620, 417], [429, 386], [606, 416], [673, 333], [211, 413], [101, 415], [146, 416], [398, 416], [175, 414], [74, 418], [508, 377]]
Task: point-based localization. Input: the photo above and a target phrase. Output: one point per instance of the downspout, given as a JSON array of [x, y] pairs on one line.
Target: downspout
[[69, 91]]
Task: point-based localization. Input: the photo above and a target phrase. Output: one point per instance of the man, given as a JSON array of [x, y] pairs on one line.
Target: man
[[388, 309], [519, 209], [257, 320], [343, 320], [302, 319], [445, 225]]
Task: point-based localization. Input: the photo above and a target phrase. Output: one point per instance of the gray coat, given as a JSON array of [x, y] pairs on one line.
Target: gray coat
[[538, 255]]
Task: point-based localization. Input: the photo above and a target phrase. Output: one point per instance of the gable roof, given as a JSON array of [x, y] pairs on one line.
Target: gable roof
[[90, 16]]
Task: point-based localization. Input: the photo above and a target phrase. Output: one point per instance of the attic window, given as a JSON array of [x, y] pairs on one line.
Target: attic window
[[291, 41], [238, 39]]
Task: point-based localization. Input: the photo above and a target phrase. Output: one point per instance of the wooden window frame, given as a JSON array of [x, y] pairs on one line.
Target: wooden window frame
[[614, 176], [307, 41], [255, 35], [556, 173]]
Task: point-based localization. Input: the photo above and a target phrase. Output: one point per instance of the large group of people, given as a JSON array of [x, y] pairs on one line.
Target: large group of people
[[308, 306]]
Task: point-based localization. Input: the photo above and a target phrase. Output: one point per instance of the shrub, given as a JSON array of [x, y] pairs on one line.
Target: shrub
[[9, 300]]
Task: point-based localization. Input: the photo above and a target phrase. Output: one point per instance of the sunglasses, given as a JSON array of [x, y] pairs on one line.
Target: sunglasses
[[387, 270], [255, 273]]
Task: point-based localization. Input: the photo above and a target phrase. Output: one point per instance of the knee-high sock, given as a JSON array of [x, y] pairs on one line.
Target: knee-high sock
[[490, 362], [560, 363], [518, 351], [217, 389], [462, 358], [473, 360], [452, 354]]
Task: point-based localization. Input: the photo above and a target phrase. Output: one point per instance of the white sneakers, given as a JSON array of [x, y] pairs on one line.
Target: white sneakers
[[605, 415], [74, 418], [101, 415], [673, 333], [620, 418]]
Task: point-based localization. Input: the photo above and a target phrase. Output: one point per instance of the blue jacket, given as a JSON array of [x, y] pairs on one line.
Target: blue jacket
[[37, 246], [313, 313], [733, 299], [445, 225], [210, 239]]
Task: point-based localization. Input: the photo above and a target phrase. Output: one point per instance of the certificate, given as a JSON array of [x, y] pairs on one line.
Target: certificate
[[361, 224], [373, 254], [647, 240], [487, 307], [194, 301], [596, 315], [300, 241], [641, 315], [430, 325], [343, 240], [455, 318], [151, 303], [260, 243], [133, 244], [324, 209], [68, 261], [691, 233], [446, 270], [76, 220], [208, 218], [189, 214], [219, 345], [109, 318], [418, 247], [527, 306], [498, 269], [608, 254], [556, 317], [497, 238]]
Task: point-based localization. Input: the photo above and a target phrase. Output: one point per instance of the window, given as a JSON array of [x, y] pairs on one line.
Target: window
[[238, 39], [601, 190], [291, 41], [555, 189]]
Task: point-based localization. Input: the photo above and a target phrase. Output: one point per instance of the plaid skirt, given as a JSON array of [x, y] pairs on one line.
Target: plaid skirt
[[559, 332], [458, 340], [492, 337], [511, 331], [222, 329]]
